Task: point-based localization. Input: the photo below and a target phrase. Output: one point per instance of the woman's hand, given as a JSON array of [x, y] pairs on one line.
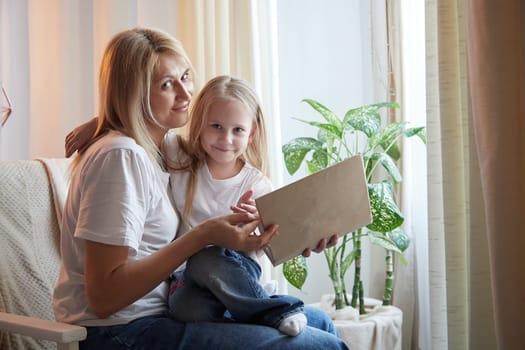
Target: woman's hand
[[234, 231], [78, 138], [322, 245]]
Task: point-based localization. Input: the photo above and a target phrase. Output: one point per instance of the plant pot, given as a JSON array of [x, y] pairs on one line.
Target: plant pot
[[379, 329]]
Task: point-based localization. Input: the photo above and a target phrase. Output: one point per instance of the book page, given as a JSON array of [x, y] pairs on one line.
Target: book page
[[332, 201]]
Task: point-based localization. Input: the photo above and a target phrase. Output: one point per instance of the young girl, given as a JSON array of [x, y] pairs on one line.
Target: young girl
[[224, 157]]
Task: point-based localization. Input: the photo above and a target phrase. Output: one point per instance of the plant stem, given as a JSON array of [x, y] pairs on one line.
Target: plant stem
[[342, 272], [357, 276], [335, 272], [362, 310], [339, 295], [389, 280], [338, 288]]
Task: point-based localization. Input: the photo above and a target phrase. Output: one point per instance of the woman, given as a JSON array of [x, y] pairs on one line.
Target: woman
[[118, 223]]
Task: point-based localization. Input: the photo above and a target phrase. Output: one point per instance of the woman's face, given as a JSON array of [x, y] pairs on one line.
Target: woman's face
[[171, 91]]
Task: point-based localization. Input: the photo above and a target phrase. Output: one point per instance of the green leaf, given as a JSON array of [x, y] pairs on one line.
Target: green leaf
[[327, 114], [347, 262], [386, 242], [367, 118], [295, 271], [420, 132], [331, 128], [389, 166], [380, 239], [402, 259], [393, 151], [400, 238], [326, 137], [331, 260], [318, 162], [295, 151], [293, 160], [386, 138], [367, 123], [386, 216]]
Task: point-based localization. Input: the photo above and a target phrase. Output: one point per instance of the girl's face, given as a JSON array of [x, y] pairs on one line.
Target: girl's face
[[226, 135], [171, 91]]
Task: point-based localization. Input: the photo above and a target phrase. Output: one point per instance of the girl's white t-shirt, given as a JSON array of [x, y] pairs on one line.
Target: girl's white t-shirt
[[212, 197], [117, 196]]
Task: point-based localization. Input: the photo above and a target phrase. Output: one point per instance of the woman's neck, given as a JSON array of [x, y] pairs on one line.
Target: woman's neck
[[157, 134]]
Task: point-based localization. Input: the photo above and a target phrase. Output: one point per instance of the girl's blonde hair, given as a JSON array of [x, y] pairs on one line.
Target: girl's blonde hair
[[128, 65], [221, 88]]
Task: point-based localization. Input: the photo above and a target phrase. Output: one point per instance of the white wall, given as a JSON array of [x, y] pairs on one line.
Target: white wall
[[324, 54], [15, 79]]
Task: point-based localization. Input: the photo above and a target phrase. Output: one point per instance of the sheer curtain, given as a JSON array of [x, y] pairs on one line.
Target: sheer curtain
[[239, 38], [51, 52], [453, 182], [476, 171], [403, 81]]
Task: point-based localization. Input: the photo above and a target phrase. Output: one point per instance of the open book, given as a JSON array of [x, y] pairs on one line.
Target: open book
[[332, 201]]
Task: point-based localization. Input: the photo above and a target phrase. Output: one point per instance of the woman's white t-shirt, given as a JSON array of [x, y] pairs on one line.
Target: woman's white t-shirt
[[118, 196]]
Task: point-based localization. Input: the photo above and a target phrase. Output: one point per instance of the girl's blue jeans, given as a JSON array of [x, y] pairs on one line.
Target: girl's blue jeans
[[221, 285]]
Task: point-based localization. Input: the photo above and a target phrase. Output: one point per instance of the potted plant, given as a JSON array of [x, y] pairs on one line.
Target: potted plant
[[361, 130]]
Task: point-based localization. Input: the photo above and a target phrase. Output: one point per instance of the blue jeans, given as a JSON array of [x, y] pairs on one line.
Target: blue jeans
[[221, 285], [162, 332]]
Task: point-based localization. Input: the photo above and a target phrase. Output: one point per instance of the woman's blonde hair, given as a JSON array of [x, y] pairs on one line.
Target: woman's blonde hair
[[221, 88], [126, 71]]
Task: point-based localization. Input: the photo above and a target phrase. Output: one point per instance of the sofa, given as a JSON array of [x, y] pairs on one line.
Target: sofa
[[30, 257]]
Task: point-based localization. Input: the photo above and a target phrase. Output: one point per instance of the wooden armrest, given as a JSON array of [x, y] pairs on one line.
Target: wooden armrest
[[42, 329]]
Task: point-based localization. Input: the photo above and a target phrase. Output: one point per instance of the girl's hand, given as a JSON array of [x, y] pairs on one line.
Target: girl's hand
[[246, 204], [78, 138], [322, 245]]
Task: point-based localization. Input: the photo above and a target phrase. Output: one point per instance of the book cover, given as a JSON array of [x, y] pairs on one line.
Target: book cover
[[332, 201]]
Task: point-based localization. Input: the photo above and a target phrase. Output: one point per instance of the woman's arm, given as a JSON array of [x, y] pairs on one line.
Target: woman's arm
[[113, 282]]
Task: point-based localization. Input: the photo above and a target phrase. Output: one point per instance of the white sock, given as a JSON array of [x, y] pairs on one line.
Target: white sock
[[293, 324]]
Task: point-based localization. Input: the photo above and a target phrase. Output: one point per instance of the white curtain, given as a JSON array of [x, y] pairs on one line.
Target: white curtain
[[446, 292], [239, 38], [476, 165], [398, 61], [51, 50]]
